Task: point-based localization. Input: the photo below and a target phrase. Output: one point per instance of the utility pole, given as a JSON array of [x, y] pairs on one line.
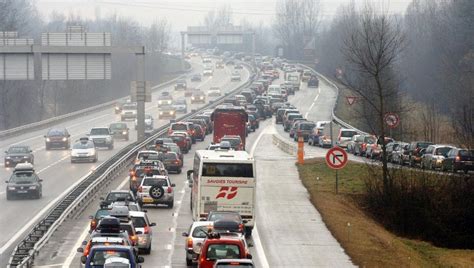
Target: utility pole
[[141, 88], [183, 67]]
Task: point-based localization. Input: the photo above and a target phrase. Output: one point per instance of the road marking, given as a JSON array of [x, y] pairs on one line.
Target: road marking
[[53, 164], [314, 102], [84, 234], [40, 214], [175, 225]]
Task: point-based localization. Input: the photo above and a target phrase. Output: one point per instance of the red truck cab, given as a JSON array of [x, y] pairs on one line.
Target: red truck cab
[[229, 121], [217, 247]]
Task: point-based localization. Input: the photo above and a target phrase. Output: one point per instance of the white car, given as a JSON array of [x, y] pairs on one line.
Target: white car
[[102, 137], [142, 224], [214, 92], [84, 150], [235, 76], [195, 237], [129, 111], [148, 122], [208, 71], [156, 189]]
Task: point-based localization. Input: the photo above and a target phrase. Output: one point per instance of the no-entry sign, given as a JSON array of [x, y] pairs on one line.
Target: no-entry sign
[[392, 120], [336, 158]]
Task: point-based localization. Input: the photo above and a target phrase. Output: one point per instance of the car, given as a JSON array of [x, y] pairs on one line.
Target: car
[[289, 119], [432, 157], [313, 138], [146, 155], [180, 105], [458, 159], [325, 141], [99, 214], [214, 92], [129, 111], [392, 147], [118, 105], [414, 151], [117, 195], [206, 60], [198, 97], [24, 182], [238, 66], [149, 122], [167, 112], [165, 100], [235, 142], [196, 78], [120, 131], [352, 143], [207, 71], [143, 226], [360, 147], [180, 84], [294, 126], [253, 122], [18, 154], [226, 263], [223, 220], [190, 91], [182, 142], [235, 76], [195, 237], [400, 153], [313, 82], [304, 129], [199, 132], [99, 255], [84, 150], [156, 190], [306, 75], [344, 136], [172, 162], [219, 65], [173, 147], [142, 169], [201, 122], [219, 246], [102, 137], [374, 151], [57, 138], [280, 114]]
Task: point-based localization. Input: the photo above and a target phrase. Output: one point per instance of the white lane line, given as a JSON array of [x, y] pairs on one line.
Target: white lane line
[[52, 164], [312, 105], [40, 214], [256, 238], [82, 237], [2, 193], [175, 224]]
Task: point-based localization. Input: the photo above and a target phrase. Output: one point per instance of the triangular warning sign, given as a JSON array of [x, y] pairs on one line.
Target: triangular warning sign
[[351, 99]]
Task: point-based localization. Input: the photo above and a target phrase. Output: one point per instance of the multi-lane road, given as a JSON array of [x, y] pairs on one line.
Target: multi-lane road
[[287, 236]]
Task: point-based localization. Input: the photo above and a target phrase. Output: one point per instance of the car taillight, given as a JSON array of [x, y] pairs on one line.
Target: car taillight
[[140, 189], [146, 230], [189, 242], [364, 145], [177, 162], [93, 224], [241, 227], [457, 159], [170, 190], [134, 239], [132, 173], [134, 178]]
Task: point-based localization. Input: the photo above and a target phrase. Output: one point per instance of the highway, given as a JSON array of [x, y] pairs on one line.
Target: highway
[[58, 174], [274, 243]]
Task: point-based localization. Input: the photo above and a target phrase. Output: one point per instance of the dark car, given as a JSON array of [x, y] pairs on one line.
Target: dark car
[[313, 82], [172, 162], [198, 97], [24, 182], [304, 129], [18, 154], [458, 159], [180, 84], [117, 196], [415, 153], [253, 122], [199, 133], [99, 214], [196, 77], [119, 131], [224, 220], [180, 140], [202, 123], [57, 138], [207, 119]]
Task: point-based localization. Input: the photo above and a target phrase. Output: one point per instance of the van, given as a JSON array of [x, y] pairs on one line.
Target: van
[[344, 136]]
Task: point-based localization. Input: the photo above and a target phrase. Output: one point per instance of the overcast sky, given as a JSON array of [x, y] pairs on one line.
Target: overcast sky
[[182, 13]]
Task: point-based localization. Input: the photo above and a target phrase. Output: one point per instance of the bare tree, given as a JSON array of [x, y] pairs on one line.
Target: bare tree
[[220, 18], [296, 24], [372, 47], [158, 37]]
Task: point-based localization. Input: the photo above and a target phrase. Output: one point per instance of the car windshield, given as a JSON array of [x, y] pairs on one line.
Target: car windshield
[[294, 116], [128, 228], [225, 216], [169, 156], [466, 152], [129, 107], [307, 126], [222, 251], [56, 132], [155, 181], [139, 222], [23, 177], [18, 150], [83, 145], [348, 133], [145, 155], [119, 196], [99, 131], [233, 141], [179, 127], [442, 151], [99, 258], [118, 126], [102, 213]]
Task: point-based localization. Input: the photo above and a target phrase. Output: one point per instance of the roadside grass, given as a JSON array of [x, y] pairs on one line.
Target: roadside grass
[[366, 241]]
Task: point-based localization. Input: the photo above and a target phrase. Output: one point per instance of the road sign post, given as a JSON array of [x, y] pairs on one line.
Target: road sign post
[[336, 158]]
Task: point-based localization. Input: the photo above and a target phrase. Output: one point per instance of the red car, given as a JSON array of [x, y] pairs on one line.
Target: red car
[[182, 142], [217, 247]]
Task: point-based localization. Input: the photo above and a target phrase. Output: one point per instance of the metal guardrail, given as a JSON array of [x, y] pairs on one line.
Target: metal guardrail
[[79, 113], [285, 146], [333, 114], [24, 253]]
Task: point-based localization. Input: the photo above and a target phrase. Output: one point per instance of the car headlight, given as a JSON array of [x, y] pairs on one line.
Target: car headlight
[[169, 102], [32, 187], [117, 108], [48, 139], [160, 102], [192, 98], [7, 157], [171, 112], [124, 133], [161, 113], [64, 139], [201, 97], [11, 188], [26, 156]]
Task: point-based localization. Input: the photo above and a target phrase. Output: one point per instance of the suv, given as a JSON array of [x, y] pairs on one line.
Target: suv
[[345, 135], [433, 156], [198, 97], [218, 246], [129, 111], [400, 154], [84, 150], [120, 131], [165, 99], [102, 137], [18, 154], [180, 84], [57, 137], [24, 182], [142, 169], [195, 237], [414, 151], [180, 105], [156, 190], [459, 159]]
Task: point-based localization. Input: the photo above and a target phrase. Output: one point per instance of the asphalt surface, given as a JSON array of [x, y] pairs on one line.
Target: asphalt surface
[[58, 174]]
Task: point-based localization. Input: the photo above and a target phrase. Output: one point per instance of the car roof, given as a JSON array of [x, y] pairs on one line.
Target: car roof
[[137, 213], [104, 239], [201, 223], [115, 247]]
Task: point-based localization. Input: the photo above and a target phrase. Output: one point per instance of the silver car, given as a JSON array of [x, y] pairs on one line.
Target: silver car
[[156, 190], [142, 224], [195, 237]]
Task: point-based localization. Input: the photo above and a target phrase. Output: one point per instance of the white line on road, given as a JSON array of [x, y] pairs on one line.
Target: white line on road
[[314, 102], [175, 224], [40, 214]]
